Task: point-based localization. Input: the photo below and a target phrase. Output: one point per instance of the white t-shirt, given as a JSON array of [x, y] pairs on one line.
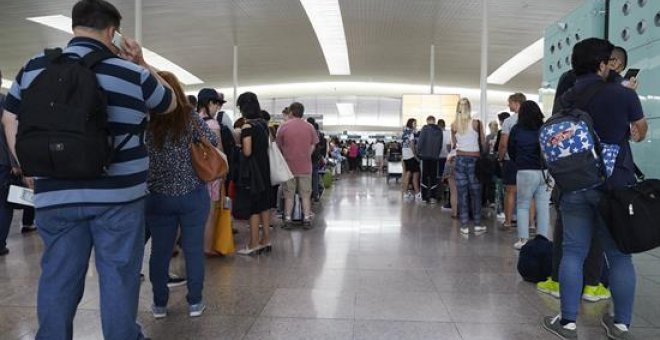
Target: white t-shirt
[[379, 149], [508, 124]]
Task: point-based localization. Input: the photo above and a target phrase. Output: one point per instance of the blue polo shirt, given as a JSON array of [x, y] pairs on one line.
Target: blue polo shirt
[[613, 109], [131, 92]]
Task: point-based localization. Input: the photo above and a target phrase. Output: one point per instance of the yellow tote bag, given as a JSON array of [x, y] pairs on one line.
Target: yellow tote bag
[[223, 241]]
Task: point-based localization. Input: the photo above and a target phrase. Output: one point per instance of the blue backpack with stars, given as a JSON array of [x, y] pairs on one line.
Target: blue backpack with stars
[[571, 148]]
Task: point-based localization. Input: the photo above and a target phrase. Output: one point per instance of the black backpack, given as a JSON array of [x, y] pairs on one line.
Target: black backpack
[[63, 121], [535, 260]]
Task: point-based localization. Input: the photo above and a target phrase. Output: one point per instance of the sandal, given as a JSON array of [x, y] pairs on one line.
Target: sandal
[[249, 251]]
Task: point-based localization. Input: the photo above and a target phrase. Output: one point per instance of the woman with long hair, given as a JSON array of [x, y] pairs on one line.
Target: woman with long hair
[[411, 170], [253, 189], [532, 178], [467, 137], [208, 103], [178, 199]]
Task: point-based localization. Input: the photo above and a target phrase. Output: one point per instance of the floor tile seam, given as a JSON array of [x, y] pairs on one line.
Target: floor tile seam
[[249, 329]]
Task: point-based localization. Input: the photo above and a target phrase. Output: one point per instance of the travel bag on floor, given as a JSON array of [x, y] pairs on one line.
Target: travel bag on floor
[[632, 215], [223, 236]]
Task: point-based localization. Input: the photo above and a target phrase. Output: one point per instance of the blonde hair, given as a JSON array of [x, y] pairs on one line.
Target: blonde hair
[[463, 116]]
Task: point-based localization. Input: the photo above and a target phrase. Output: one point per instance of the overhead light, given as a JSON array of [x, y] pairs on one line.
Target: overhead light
[[518, 63], [6, 83], [60, 22], [346, 109], [326, 19], [63, 23]]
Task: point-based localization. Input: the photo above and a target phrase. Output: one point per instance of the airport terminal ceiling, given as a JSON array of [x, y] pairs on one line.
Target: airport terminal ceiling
[[388, 40]]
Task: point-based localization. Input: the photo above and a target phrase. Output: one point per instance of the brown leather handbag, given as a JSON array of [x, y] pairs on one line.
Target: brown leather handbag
[[208, 161]]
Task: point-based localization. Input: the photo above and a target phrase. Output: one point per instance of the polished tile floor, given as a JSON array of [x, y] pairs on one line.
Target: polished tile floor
[[373, 268]]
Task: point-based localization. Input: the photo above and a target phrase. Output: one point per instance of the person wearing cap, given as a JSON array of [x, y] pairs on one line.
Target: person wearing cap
[[209, 102]]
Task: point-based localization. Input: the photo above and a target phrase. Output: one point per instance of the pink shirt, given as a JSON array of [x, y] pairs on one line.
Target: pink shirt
[[353, 151], [295, 139]]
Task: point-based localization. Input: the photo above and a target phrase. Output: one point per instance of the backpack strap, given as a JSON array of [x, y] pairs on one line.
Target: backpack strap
[[135, 131], [92, 58], [53, 54]]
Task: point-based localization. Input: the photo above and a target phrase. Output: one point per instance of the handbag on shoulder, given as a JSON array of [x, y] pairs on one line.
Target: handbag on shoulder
[[209, 162]]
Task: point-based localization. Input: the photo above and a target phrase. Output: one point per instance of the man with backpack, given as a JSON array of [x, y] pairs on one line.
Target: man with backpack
[[613, 117], [86, 202]]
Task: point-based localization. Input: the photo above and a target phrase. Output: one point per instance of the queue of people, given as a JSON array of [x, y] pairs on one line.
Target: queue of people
[[586, 263], [150, 186]]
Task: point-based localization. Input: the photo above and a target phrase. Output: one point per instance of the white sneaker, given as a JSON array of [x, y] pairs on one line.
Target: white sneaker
[[501, 216], [518, 245], [418, 198], [479, 229], [408, 195], [465, 230]]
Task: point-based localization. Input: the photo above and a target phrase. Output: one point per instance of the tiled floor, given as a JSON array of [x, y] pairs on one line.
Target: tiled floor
[[373, 268]]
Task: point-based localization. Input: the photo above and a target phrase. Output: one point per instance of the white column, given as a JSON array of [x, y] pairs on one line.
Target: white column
[[235, 82], [432, 69], [138, 21], [484, 62]]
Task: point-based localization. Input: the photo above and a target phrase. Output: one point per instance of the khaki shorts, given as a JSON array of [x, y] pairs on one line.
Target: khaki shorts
[[302, 184]]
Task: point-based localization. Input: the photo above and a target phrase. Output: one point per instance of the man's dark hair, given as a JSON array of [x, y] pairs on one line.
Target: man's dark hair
[[193, 100], [502, 116], [96, 14], [265, 115], [297, 109], [621, 54], [442, 124], [530, 115], [430, 118], [588, 54]]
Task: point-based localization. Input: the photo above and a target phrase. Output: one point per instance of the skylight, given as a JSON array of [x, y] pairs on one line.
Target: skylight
[[326, 19], [518, 63]]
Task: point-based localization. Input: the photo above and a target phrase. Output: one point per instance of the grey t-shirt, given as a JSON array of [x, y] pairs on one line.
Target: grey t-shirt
[[508, 124]]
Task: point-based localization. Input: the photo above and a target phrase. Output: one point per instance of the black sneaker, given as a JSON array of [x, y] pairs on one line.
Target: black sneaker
[[554, 326], [175, 281], [28, 229], [4, 251]]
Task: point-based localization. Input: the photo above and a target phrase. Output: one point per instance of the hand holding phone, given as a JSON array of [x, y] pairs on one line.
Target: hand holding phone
[[631, 73], [131, 50]]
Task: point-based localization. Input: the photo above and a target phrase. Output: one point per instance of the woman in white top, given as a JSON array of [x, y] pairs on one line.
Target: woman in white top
[[466, 134]]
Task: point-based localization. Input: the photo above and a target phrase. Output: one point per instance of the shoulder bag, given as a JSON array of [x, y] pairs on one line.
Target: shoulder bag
[[209, 162]]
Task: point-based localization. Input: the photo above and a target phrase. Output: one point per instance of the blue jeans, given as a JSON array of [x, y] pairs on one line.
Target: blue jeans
[[532, 185], [467, 183], [165, 214], [116, 233], [581, 220]]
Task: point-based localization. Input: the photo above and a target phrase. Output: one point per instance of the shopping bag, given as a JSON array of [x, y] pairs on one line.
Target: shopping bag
[[223, 236], [327, 179], [279, 169]]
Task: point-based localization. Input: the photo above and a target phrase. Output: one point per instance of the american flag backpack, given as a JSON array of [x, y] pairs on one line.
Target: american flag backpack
[[571, 148]]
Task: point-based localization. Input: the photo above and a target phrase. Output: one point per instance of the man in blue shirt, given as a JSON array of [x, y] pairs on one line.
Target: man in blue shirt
[[617, 115], [104, 213]]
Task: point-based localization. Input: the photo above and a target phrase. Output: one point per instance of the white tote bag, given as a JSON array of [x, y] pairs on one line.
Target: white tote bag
[[279, 170]]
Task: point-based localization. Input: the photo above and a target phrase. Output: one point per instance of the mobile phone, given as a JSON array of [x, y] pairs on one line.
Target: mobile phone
[[632, 72], [117, 39]]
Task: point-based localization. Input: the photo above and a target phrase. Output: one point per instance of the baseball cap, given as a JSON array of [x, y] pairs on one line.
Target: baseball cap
[[207, 94]]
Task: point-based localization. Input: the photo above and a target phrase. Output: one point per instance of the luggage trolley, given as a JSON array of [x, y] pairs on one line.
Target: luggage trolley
[[394, 167]]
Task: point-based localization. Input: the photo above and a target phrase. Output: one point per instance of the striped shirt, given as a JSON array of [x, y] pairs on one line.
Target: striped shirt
[[131, 92]]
